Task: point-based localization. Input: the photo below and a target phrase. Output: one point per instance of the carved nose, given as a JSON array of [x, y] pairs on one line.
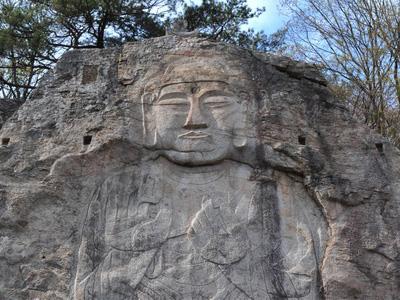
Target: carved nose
[[194, 119]]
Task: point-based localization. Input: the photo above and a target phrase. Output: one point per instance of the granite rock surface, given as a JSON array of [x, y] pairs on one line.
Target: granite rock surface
[[181, 168]]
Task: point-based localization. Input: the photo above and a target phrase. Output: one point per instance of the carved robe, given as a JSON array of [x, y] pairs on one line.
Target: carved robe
[[162, 231]]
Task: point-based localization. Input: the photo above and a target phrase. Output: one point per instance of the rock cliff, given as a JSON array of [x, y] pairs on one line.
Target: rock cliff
[[180, 168]]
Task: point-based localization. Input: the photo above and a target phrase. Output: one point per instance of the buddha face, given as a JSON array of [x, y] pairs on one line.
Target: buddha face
[[198, 123]]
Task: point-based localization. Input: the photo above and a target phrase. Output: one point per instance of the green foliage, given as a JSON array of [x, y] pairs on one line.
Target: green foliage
[[33, 33], [22, 28], [99, 23], [223, 21], [24, 50], [219, 19]]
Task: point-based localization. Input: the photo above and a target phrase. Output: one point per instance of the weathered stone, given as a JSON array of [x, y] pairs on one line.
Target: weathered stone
[[180, 168]]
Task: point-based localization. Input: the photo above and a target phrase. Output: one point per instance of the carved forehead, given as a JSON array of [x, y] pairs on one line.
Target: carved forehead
[[198, 69]]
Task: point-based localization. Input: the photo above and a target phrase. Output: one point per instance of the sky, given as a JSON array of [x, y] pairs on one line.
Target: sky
[[271, 20]]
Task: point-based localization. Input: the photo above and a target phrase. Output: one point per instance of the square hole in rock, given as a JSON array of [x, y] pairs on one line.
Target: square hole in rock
[[302, 140], [379, 147], [89, 73], [87, 139], [5, 141]]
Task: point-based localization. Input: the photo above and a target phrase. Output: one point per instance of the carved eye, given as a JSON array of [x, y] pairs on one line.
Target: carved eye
[[177, 99], [175, 102], [218, 102]]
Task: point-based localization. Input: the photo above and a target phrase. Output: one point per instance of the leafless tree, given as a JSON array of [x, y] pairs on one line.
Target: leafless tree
[[358, 44]]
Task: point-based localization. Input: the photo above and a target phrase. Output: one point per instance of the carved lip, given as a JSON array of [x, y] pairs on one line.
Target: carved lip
[[193, 135]]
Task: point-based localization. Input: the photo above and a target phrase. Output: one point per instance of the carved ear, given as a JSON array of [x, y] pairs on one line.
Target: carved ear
[[240, 138], [241, 129], [149, 130]]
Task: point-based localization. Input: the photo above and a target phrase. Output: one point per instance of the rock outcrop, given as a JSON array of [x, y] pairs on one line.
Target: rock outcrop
[[180, 168]]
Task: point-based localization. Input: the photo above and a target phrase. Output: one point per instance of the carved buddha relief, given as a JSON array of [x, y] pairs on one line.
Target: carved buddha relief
[[191, 222]]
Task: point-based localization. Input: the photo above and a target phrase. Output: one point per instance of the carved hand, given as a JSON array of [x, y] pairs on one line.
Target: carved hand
[[218, 234], [152, 234]]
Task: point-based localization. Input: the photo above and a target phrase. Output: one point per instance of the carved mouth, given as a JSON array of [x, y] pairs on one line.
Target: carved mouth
[[193, 135]]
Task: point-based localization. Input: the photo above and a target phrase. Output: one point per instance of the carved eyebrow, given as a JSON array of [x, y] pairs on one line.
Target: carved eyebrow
[[172, 95]]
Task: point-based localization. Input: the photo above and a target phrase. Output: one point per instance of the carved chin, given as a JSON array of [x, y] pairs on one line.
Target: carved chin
[[197, 158]]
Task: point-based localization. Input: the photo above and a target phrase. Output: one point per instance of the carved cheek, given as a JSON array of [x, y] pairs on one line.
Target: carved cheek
[[170, 116], [224, 118]]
